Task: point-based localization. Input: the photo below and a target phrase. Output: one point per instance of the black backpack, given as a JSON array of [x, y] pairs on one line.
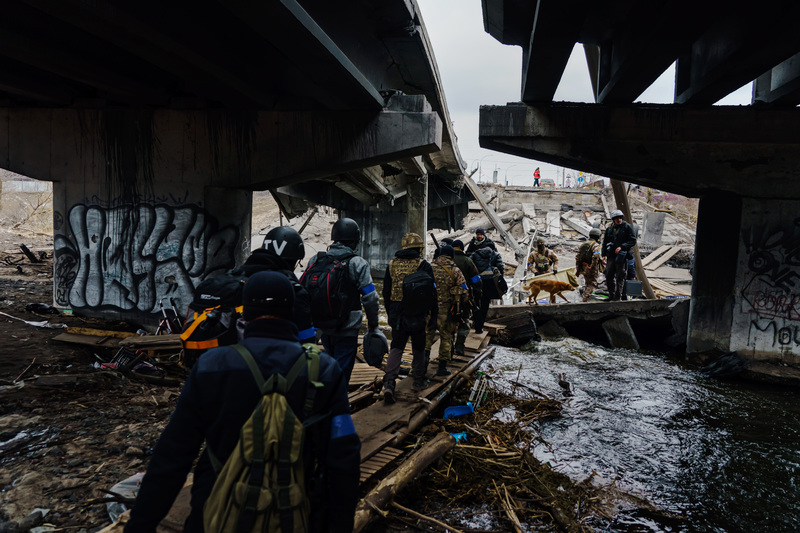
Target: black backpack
[[217, 305], [332, 293], [419, 292]]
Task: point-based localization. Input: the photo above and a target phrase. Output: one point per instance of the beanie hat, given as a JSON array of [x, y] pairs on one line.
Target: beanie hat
[[447, 251], [459, 244], [268, 293], [447, 240], [481, 231]]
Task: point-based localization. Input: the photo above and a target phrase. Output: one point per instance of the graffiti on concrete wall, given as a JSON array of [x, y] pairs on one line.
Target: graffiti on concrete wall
[[769, 273], [129, 257]]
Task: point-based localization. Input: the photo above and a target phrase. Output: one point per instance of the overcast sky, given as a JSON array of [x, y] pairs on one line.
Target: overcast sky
[[477, 70]]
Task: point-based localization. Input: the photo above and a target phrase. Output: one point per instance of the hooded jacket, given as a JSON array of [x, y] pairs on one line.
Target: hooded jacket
[[218, 397]]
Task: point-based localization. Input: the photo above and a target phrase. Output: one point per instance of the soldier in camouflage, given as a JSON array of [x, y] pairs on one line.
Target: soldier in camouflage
[[542, 259], [473, 278], [589, 262], [406, 261], [452, 290]]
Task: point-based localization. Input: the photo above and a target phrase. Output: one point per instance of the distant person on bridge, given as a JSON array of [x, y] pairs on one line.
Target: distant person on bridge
[[617, 242], [542, 259], [536, 176], [480, 240], [589, 263]]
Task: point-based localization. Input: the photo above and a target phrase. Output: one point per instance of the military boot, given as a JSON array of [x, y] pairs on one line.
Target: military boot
[[388, 392], [458, 348], [442, 370]]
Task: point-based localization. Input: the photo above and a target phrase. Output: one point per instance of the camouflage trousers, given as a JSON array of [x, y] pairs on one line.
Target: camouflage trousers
[[590, 278], [447, 328]]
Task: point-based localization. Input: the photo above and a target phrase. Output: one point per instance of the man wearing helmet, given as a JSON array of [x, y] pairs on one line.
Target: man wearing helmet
[[281, 251], [542, 259], [408, 260], [589, 262], [618, 240], [341, 341]]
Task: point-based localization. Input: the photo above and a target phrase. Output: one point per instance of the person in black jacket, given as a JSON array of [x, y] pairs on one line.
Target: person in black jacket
[[220, 394], [486, 260], [282, 249], [480, 240], [617, 242]]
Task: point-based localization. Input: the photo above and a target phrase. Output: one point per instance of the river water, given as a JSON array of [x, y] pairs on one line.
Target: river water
[[719, 456]]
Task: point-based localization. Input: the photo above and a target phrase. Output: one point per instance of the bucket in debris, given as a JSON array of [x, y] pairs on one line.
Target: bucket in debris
[[458, 410], [633, 288]]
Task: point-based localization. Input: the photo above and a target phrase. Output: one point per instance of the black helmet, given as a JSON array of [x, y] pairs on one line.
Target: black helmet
[[346, 230], [285, 243]]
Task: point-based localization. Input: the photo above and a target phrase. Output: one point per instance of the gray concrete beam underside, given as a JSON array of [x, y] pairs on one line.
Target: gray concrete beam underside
[[254, 151], [746, 150]]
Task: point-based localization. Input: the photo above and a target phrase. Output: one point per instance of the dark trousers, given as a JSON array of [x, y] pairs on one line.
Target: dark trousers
[[480, 314], [399, 340], [615, 276], [343, 349]]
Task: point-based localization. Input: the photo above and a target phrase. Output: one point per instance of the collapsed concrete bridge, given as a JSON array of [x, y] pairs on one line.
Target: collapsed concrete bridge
[[742, 162], [155, 122]]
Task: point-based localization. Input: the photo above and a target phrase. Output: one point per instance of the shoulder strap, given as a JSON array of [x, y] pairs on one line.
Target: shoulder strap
[[448, 271]]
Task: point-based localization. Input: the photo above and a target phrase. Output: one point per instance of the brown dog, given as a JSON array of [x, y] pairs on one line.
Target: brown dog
[[547, 285]]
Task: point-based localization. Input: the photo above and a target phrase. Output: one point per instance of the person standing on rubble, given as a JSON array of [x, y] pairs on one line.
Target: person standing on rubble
[[617, 242], [451, 288], [480, 240], [542, 259], [490, 266], [589, 263], [408, 319], [473, 277], [340, 335], [218, 398]]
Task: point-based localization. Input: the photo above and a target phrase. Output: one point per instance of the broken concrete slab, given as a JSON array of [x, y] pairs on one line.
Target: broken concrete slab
[[620, 334], [552, 330]]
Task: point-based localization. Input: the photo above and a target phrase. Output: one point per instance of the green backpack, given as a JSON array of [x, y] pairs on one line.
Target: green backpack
[[261, 487]]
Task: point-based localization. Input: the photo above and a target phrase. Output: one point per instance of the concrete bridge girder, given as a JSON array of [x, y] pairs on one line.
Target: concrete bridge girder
[[683, 150], [149, 203]]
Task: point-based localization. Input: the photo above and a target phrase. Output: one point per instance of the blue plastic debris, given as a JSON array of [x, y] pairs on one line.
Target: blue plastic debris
[[458, 410], [460, 437]]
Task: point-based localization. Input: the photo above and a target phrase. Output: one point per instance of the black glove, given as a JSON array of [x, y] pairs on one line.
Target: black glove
[[555, 271]]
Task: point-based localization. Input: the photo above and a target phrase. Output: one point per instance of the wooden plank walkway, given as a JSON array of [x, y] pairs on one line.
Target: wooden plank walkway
[[379, 425]]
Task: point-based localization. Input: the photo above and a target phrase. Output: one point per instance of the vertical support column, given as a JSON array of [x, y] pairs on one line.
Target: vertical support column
[[716, 254], [417, 216], [120, 257], [383, 226], [766, 313]]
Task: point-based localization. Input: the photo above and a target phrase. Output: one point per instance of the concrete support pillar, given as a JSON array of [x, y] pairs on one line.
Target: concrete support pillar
[[766, 312], [716, 251], [383, 226], [121, 256]]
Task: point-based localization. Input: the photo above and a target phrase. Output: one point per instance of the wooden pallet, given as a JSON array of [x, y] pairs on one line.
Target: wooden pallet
[[375, 463]]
